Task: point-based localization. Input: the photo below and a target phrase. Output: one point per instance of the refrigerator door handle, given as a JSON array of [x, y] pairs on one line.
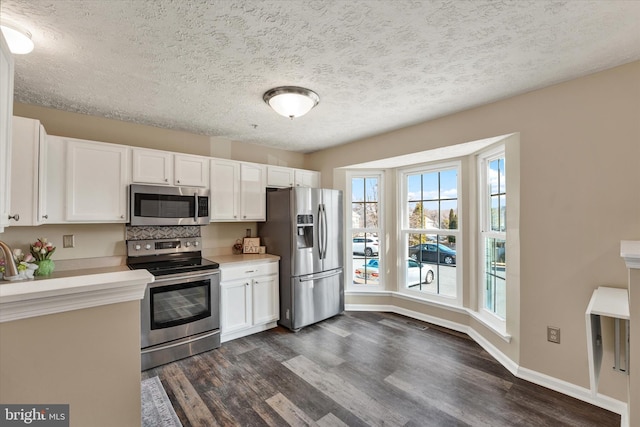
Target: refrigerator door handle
[[311, 277], [324, 231], [321, 231]]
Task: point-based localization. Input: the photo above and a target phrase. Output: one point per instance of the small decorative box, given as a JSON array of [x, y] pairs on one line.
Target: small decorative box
[[251, 245]]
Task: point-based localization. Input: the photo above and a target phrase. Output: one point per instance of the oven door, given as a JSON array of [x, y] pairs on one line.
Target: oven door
[[177, 307]]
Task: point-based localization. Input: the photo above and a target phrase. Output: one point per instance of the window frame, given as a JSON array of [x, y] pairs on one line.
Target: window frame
[[350, 230], [404, 231], [484, 158]]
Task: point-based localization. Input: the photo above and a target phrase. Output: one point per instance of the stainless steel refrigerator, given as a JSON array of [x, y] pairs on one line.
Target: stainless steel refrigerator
[[304, 227]]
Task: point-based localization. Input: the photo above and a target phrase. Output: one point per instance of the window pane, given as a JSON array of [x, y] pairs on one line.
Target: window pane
[[414, 188], [371, 189], [357, 215], [449, 184], [495, 213], [436, 258], [430, 186], [371, 215], [431, 218], [366, 260], [495, 276], [450, 214]]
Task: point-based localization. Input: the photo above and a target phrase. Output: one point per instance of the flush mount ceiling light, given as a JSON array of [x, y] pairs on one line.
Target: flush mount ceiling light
[[18, 39], [291, 101]]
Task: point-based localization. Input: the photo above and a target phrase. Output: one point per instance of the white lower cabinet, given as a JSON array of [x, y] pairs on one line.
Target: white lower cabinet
[[249, 299]]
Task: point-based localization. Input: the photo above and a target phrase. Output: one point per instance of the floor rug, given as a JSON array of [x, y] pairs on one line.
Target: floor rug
[[157, 410]]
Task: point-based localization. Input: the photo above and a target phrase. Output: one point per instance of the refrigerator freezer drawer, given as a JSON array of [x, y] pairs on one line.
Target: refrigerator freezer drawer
[[316, 297]]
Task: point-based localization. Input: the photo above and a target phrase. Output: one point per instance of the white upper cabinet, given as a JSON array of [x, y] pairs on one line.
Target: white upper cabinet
[[96, 181], [306, 178], [152, 166], [280, 176], [29, 174], [225, 190], [6, 114], [283, 177], [238, 191], [166, 168], [191, 171], [253, 192]]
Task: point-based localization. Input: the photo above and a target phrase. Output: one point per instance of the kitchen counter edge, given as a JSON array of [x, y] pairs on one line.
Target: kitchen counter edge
[[243, 259], [71, 290]]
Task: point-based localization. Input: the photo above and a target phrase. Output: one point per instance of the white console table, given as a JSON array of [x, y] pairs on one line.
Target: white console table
[[614, 303]]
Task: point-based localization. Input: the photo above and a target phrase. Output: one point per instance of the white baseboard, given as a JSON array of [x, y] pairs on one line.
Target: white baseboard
[[555, 384]]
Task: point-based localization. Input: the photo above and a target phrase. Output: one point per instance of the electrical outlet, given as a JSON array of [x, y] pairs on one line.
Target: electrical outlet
[[68, 241], [553, 334]]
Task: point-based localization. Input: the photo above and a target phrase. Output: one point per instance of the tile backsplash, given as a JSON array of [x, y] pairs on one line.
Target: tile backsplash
[[161, 232]]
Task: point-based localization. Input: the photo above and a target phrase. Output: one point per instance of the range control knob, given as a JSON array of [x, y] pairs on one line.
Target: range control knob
[[137, 247], [196, 243], [187, 244], [147, 246]]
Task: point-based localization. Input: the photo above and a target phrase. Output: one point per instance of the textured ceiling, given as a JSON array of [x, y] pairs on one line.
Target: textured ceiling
[[202, 66]]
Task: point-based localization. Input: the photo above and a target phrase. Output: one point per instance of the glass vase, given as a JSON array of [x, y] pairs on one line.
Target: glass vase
[[45, 267]]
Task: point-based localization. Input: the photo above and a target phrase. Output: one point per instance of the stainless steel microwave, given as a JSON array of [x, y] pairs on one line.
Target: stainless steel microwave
[[159, 205]]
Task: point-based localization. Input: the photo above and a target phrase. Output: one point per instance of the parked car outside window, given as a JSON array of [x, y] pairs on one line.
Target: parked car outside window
[[433, 252], [365, 246], [416, 273]]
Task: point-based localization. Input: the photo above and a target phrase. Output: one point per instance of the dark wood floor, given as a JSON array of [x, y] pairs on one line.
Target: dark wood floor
[[362, 369]]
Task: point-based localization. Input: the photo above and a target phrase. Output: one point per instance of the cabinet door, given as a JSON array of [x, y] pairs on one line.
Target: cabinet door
[[96, 181], [6, 113], [235, 306], [225, 190], [280, 177], [191, 171], [252, 192], [265, 299], [28, 178], [305, 178], [151, 166]]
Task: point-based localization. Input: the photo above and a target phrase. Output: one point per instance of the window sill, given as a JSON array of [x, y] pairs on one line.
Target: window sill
[[498, 329], [500, 332]]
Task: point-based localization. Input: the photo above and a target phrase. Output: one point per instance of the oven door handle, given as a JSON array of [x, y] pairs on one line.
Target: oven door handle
[[172, 278]]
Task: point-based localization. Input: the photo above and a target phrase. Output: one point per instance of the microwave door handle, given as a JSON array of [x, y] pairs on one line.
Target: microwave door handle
[[195, 210]]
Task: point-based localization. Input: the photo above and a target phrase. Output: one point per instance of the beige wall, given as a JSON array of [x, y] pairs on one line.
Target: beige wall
[[74, 125], [579, 177], [89, 359]]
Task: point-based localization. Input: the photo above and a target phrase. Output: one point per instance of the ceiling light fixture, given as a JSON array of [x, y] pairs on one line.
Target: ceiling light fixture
[[18, 39], [291, 101]]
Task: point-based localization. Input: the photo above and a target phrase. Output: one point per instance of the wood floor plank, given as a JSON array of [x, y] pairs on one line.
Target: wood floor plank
[[344, 393], [330, 420], [198, 414], [289, 412], [336, 330]]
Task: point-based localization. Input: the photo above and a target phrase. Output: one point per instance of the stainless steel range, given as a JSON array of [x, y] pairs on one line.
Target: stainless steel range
[[180, 311]]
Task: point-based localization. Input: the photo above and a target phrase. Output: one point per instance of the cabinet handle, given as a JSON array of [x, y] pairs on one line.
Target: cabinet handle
[[167, 180], [244, 216], [15, 217], [45, 216], [250, 271], [178, 181], [246, 284], [121, 216]]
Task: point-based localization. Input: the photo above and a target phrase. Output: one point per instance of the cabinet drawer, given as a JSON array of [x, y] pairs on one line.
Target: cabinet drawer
[[248, 271]]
